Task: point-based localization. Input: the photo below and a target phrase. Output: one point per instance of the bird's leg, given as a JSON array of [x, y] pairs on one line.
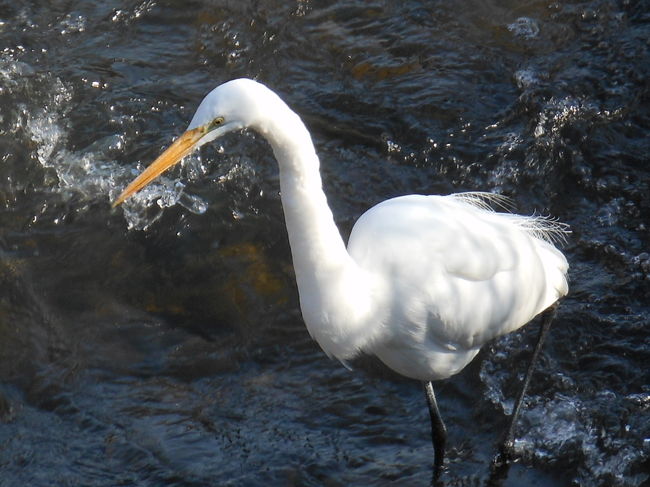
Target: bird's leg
[[507, 445], [438, 431]]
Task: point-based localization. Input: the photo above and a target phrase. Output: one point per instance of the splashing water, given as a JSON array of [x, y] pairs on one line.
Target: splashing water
[[92, 173], [543, 101], [562, 428]]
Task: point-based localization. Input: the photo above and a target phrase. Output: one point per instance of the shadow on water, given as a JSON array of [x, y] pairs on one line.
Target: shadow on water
[[161, 344]]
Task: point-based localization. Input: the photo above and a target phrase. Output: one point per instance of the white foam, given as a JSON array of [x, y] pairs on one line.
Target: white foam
[[92, 173]]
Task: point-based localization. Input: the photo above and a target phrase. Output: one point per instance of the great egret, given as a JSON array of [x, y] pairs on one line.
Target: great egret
[[425, 281]]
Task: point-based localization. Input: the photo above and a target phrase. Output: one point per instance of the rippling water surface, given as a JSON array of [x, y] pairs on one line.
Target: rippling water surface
[[161, 343]]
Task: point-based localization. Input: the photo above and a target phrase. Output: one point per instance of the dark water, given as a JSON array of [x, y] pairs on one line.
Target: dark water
[[161, 343]]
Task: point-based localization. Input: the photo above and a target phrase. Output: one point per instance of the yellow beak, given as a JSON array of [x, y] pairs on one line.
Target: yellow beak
[[174, 153]]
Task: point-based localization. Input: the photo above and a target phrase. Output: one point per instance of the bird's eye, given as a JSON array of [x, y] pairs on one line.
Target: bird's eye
[[215, 123]]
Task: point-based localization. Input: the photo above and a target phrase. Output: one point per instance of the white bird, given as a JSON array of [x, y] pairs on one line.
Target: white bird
[[424, 282]]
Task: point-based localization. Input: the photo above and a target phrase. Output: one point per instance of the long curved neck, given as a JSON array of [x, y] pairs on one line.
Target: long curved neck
[[334, 297], [316, 244]]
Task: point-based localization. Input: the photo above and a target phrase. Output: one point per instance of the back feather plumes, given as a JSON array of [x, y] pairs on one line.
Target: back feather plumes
[[541, 227]]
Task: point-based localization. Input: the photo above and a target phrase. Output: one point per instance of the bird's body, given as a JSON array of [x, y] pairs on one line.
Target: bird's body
[[424, 282], [485, 274]]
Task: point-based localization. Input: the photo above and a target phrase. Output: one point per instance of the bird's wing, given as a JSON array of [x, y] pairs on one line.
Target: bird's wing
[[452, 270]]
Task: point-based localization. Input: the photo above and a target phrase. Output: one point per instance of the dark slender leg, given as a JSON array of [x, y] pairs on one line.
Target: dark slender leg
[[438, 431], [507, 445]]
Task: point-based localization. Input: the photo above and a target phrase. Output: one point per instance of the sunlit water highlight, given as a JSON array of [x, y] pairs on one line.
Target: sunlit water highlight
[[160, 344]]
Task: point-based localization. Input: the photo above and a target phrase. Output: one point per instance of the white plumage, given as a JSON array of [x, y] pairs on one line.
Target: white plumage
[[451, 275], [424, 282]]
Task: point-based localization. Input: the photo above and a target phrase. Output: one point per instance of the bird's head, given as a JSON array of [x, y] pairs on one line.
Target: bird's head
[[231, 106]]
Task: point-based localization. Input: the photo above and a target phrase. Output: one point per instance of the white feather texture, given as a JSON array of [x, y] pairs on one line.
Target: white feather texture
[[425, 281]]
